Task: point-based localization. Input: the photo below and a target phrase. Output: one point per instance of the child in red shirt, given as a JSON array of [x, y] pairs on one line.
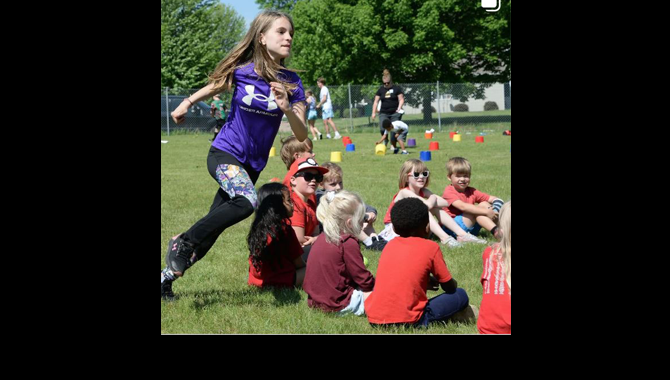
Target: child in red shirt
[[470, 208], [274, 251], [337, 279], [305, 176], [413, 183], [409, 266], [496, 308]]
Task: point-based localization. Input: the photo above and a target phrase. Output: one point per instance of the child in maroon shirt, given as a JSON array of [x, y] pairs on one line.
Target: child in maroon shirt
[[337, 279]]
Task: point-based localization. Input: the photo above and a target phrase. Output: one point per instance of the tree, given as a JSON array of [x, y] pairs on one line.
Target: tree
[[281, 5], [451, 41], [195, 36]]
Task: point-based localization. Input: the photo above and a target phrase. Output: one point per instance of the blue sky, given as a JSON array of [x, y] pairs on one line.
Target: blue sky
[[246, 8]]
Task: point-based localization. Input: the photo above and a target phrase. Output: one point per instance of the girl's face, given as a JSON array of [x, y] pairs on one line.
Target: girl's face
[[419, 182], [288, 203], [278, 39]]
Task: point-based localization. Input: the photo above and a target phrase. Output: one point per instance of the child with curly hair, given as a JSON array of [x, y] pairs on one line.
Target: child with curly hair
[[275, 255]]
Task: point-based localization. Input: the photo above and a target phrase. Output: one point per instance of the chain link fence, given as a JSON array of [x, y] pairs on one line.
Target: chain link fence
[[439, 106]]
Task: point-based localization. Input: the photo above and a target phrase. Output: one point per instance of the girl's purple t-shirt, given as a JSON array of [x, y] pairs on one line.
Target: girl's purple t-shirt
[[254, 118]]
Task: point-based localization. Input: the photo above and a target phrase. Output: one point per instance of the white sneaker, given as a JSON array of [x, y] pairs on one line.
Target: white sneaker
[[328, 136], [337, 135], [452, 243], [470, 238]]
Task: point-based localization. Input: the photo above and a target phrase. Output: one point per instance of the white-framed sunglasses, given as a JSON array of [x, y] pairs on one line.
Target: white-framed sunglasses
[[418, 175]]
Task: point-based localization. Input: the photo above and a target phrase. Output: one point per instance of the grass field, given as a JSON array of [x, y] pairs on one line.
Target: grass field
[[214, 298]]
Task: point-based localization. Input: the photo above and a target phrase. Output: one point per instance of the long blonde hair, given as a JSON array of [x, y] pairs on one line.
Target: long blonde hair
[[335, 208], [407, 167], [505, 246], [250, 49]]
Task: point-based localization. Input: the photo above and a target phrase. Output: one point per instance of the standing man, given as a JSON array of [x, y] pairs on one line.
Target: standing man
[[392, 99]]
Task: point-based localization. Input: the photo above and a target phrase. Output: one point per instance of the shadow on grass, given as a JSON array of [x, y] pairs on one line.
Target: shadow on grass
[[250, 296]]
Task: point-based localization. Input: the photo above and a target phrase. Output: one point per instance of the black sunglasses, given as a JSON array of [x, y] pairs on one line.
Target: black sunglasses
[[385, 83], [310, 176], [418, 175]]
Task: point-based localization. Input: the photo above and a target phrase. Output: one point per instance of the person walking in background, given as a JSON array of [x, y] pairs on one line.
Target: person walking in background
[[327, 112], [218, 111], [265, 90], [392, 100], [311, 115]]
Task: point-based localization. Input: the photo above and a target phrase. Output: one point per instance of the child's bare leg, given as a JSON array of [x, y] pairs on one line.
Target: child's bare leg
[[333, 125], [369, 229], [437, 229], [300, 276], [449, 222]]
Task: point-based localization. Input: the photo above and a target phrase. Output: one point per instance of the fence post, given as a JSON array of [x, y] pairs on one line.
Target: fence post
[[167, 109], [439, 115], [351, 117]]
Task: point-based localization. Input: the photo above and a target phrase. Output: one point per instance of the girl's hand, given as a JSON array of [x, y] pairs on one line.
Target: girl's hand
[[371, 217], [309, 240], [281, 97], [179, 114]]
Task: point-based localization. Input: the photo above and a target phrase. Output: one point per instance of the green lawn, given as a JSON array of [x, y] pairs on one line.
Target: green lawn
[[214, 298]]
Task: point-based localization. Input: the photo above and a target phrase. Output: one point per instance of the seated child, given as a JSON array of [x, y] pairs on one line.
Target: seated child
[[333, 181], [291, 150], [495, 316], [274, 251], [405, 273], [398, 131], [413, 183], [337, 279], [470, 208], [305, 176]]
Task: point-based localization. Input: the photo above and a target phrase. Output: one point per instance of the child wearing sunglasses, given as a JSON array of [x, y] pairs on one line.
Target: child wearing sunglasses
[[413, 183], [305, 176]]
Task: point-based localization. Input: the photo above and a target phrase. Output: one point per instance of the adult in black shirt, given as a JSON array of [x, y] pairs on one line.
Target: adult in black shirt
[[392, 99]]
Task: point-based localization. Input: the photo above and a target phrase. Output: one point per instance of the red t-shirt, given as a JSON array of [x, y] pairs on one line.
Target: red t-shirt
[[387, 218], [495, 312], [282, 271], [304, 214], [402, 280], [470, 195]]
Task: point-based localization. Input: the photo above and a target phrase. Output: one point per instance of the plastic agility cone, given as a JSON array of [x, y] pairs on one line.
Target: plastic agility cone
[[426, 156], [380, 149], [434, 145], [457, 138], [479, 139], [335, 156], [351, 148], [411, 143], [346, 141], [451, 135], [428, 135], [273, 152]]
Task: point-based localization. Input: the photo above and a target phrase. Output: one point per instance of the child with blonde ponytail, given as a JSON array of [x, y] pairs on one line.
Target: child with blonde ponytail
[[336, 279], [496, 309]]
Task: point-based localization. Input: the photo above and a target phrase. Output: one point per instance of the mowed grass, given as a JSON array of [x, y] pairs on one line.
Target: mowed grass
[[214, 298]]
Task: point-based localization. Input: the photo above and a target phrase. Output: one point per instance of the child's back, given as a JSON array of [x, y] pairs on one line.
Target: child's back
[[402, 280]]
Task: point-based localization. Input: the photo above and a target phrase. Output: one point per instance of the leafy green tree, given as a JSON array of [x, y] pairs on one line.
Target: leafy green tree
[[195, 36], [282, 5], [451, 41]]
